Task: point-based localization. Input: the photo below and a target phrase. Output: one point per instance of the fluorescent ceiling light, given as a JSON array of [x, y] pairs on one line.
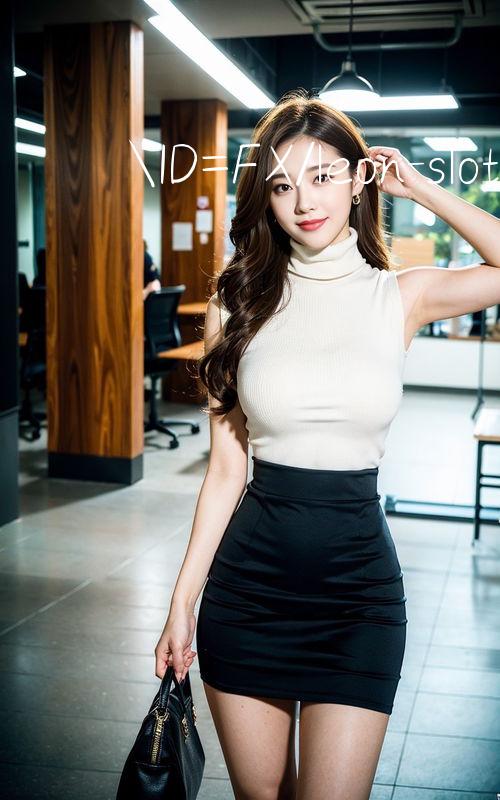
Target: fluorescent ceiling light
[[418, 102], [28, 125], [30, 149], [37, 127], [18, 72], [351, 99], [193, 43], [449, 143], [350, 91], [491, 186], [151, 146], [368, 101]]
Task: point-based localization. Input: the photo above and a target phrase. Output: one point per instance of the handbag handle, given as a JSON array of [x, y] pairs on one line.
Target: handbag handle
[[166, 687]]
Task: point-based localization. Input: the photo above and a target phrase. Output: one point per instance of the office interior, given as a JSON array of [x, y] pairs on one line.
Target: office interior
[[103, 435]]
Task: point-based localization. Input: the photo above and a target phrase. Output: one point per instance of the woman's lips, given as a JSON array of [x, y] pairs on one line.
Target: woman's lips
[[311, 226]]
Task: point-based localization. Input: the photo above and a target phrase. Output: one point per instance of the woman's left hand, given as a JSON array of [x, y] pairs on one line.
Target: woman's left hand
[[405, 182]]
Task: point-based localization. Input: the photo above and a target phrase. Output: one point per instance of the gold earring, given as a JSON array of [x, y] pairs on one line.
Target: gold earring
[[356, 200]]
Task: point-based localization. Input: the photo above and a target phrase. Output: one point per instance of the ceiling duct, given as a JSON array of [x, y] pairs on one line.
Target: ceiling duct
[[392, 15]]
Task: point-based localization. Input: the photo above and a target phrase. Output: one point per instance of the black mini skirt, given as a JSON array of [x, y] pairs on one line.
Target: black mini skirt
[[305, 598]]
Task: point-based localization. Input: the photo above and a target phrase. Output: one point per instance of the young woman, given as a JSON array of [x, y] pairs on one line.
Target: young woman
[[305, 343]]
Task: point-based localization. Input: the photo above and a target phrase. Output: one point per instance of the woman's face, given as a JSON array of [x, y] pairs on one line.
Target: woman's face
[[318, 197]]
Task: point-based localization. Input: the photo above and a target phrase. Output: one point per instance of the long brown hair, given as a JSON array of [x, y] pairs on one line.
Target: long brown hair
[[251, 284]]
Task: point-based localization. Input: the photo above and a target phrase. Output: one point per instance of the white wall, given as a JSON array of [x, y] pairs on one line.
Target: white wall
[[436, 361], [25, 230], [152, 216]]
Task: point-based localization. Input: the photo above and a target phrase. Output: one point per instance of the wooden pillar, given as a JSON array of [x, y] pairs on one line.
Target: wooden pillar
[[202, 124], [93, 95]]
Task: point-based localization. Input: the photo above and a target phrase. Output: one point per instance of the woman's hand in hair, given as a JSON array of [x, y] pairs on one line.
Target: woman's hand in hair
[[400, 178]]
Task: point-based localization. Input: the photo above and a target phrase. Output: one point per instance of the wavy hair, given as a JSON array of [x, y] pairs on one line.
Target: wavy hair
[[251, 285]]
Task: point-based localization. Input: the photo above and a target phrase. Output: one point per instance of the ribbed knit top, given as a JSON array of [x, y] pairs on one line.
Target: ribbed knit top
[[322, 380]]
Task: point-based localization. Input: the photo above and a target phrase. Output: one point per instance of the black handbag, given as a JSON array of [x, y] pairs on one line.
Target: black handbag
[[167, 758]]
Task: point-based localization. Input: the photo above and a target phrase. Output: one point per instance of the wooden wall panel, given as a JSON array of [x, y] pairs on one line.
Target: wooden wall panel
[[94, 196], [203, 125]]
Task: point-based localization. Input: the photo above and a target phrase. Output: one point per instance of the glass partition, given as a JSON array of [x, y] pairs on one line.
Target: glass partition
[[465, 164]]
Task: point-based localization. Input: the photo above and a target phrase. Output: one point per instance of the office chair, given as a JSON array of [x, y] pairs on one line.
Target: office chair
[[161, 332], [33, 360]]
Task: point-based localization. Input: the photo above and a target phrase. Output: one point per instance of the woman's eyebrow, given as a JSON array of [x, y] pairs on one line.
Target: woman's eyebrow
[[309, 169]]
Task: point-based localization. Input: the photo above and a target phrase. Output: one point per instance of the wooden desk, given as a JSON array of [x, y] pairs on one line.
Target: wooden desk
[[486, 432], [467, 338], [185, 352], [192, 309], [180, 386]]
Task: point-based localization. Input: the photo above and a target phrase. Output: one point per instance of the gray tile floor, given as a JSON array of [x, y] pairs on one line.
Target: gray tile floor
[[86, 576]]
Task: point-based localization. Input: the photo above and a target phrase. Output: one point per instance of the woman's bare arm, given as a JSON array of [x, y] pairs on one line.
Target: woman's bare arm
[[221, 490]]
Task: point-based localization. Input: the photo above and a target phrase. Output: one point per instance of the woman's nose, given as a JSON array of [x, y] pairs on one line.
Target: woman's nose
[[304, 203]]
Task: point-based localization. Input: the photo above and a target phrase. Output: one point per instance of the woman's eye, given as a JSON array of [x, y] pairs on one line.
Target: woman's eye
[[279, 185]]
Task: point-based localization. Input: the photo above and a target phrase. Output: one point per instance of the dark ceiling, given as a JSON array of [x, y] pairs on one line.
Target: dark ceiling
[[278, 44]]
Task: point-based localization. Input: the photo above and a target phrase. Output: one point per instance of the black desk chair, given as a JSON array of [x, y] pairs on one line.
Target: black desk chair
[[161, 332], [33, 361]]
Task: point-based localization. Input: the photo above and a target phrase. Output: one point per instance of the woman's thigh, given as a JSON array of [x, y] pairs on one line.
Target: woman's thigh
[[339, 749], [257, 737]]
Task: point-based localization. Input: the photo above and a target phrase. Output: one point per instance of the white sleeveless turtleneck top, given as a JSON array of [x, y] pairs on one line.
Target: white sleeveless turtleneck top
[[322, 380]]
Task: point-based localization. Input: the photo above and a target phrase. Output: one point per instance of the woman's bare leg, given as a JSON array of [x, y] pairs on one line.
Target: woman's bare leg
[[257, 737], [339, 749]]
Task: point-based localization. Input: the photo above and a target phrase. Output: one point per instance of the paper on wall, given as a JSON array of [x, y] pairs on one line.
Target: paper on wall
[[182, 235]]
